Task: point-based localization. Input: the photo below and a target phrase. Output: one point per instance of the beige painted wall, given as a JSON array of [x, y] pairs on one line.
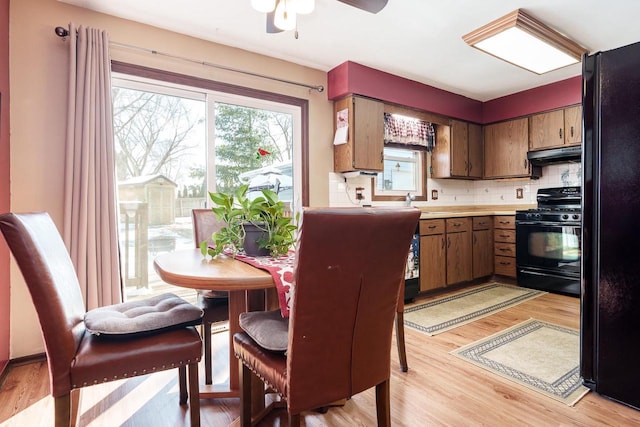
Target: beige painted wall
[[38, 82]]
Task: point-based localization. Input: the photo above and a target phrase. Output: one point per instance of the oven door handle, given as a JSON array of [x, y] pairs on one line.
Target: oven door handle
[[546, 273], [549, 223]]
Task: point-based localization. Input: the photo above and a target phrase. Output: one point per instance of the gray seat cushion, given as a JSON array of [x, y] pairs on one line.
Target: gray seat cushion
[[267, 328], [161, 312]]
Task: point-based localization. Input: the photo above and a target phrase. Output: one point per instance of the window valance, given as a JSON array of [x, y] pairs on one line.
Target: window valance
[[408, 132]]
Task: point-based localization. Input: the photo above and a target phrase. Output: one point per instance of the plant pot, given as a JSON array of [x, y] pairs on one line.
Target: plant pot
[[252, 237]]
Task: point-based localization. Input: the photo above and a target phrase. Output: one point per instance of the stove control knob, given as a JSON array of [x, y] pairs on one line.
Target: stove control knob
[[575, 216], [537, 215], [528, 215], [565, 216]]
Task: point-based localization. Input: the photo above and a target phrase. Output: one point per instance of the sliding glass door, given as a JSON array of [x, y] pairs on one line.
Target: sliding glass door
[[174, 145]]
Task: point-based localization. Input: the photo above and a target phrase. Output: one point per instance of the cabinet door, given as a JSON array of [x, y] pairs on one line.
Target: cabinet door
[[368, 134], [505, 149], [432, 262], [459, 259], [476, 158], [573, 125], [546, 130], [482, 253], [459, 148], [365, 142]]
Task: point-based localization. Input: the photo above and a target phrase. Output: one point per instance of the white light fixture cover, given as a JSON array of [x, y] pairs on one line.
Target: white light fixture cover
[[523, 41], [285, 16], [265, 6], [305, 6]]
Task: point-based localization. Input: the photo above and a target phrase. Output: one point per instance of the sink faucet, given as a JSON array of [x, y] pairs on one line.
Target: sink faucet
[[409, 199]]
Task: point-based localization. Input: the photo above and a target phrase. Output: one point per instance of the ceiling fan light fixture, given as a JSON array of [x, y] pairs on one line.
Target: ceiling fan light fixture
[[285, 15], [265, 6], [522, 40], [304, 7]]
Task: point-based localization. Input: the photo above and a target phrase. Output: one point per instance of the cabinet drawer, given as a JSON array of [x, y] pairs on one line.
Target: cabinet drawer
[[481, 222], [505, 266], [505, 249], [507, 236], [455, 225], [508, 222], [431, 226]]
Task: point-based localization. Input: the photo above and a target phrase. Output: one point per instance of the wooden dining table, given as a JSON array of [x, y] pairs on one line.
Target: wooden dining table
[[246, 285]]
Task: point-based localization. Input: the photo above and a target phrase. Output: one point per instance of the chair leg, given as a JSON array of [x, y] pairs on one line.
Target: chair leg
[[208, 376], [294, 420], [194, 395], [245, 395], [62, 408], [383, 404], [402, 353], [75, 407], [182, 384]]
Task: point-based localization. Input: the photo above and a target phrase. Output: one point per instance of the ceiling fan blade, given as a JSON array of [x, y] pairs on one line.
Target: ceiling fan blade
[[373, 6], [271, 27]]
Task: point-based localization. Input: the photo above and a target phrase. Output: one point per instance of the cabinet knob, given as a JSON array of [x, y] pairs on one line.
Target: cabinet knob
[[560, 133]]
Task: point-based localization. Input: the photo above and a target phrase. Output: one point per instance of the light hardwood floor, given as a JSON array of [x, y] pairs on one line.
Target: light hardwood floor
[[438, 390]]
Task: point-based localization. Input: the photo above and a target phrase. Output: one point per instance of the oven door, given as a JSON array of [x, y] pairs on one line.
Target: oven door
[[548, 256]]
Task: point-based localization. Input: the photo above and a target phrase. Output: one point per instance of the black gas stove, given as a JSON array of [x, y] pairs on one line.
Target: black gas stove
[[557, 205], [548, 242]]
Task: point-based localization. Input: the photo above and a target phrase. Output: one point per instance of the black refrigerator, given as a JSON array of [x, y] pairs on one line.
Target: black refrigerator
[[610, 278]]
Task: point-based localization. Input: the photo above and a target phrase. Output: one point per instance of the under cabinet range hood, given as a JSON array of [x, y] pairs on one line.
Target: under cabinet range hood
[[555, 155]]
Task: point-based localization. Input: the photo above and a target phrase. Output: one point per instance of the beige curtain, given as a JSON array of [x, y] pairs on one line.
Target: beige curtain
[[90, 210]]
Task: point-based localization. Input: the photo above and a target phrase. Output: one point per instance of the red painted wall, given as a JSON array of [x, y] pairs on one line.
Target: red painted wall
[[353, 78], [542, 98], [4, 181]]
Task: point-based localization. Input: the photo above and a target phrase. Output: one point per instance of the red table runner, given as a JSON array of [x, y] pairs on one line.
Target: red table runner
[[281, 269]]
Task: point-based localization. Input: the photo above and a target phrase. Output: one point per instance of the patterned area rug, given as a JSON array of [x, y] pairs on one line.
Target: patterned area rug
[[456, 310], [540, 356]]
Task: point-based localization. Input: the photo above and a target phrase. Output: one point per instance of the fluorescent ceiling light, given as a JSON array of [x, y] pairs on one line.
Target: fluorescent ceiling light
[[526, 42]]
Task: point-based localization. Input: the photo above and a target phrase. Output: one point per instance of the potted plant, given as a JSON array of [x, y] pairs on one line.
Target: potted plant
[[258, 226]]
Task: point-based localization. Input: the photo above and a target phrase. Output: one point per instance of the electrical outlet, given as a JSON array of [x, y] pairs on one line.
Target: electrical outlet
[[359, 193], [434, 194], [519, 193]]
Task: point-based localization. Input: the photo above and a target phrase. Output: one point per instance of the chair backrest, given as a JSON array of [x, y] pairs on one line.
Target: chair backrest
[[205, 223], [51, 278], [349, 267]]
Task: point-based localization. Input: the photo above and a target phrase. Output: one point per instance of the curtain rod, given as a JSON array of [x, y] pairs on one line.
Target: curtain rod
[[63, 33]]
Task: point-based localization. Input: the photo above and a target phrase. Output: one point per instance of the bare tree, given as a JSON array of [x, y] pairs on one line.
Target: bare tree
[[151, 132]]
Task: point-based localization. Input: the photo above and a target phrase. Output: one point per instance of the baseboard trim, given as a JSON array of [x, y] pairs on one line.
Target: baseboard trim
[[18, 361]]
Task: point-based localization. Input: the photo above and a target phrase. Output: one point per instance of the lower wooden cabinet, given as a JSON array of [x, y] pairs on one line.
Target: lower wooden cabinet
[[459, 260], [456, 250], [505, 245], [482, 246], [433, 261]]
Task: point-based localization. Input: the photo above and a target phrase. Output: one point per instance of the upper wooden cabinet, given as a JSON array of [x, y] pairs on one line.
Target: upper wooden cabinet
[[476, 151], [458, 152], [505, 149], [557, 128], [365, 142]]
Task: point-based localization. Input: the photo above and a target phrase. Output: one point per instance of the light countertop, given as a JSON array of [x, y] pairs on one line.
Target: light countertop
[[463, 211]]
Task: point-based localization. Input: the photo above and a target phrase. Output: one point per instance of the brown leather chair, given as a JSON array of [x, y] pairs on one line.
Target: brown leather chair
[[77, 358], [214, 304], [347, 282]]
